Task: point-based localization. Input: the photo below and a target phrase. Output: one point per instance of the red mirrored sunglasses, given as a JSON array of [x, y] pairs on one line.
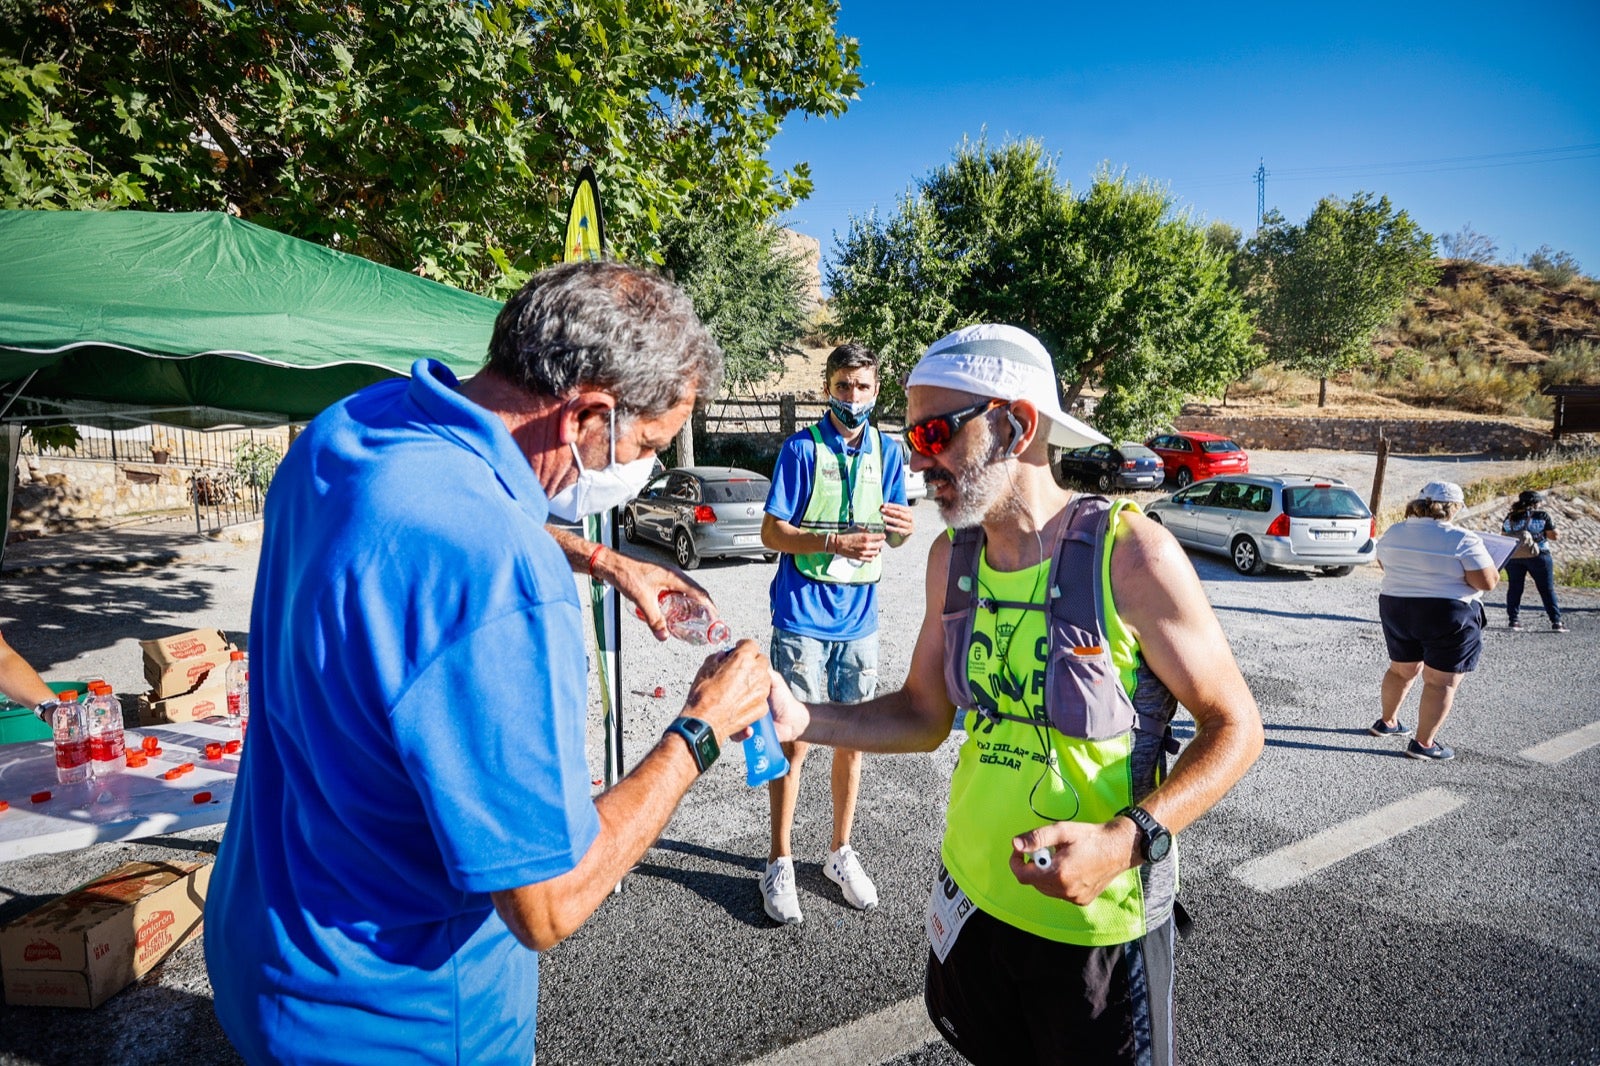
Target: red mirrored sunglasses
[[933, 435]]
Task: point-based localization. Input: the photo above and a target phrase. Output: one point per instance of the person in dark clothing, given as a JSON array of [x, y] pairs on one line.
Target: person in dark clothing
[[1536, 529]]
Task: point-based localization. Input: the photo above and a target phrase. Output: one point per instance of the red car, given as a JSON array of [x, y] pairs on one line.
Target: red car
[[1190, 457]]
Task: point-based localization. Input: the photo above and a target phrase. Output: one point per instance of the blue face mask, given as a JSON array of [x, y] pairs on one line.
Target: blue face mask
[[851, 415]]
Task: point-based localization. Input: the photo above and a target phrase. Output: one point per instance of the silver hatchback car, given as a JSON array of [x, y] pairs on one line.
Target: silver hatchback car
[[701, 512], [1262, 520]]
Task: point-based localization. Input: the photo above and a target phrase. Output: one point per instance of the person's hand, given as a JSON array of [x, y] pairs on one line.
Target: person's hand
[[897, 520], [859, 544], [1087, 858], [789, 715], [643, 583], [730, 690]]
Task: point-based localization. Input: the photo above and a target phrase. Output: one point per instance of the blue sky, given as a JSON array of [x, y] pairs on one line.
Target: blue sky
[[1460, 113]]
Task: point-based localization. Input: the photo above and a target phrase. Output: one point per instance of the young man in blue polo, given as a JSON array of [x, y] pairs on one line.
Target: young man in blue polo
[[838, 497]]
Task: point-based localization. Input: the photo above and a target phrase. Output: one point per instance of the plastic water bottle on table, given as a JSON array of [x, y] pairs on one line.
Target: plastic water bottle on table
[[237, 681], [107, 740], [69, 724]]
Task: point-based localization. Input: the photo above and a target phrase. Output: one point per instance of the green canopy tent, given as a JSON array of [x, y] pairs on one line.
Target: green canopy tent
[[205, 310]]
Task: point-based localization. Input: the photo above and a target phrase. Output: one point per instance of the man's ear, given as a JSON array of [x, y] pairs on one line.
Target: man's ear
[[580, 408]]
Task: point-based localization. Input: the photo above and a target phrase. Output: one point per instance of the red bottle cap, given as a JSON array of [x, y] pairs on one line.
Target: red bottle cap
[[4, 806], [40, 797], [202, 797], [172, 775], [185, 767], [137, 758], [214, 750], [232, 746], [659, 692], [235, 656], [153, 752], [67, 695], [150, 744]]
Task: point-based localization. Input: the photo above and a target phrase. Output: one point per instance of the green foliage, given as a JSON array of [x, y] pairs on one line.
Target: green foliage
[[748, 287], [437, 136], [1123, 291], [1573, 363], [1324, 288], [1554, 268], [254, 463], [1578, 573], [62, 437], [41, 164]]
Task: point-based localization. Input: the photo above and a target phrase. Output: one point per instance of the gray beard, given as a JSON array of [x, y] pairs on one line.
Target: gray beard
[[982, 486]]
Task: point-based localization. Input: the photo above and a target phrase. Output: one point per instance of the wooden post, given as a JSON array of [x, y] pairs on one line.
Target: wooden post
[[1377, 474]]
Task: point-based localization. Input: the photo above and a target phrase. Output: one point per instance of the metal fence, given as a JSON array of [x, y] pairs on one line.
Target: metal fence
[[225, 471]]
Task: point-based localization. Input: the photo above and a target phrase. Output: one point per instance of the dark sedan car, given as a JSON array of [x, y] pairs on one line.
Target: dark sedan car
[[700, 512], [1108, 467]]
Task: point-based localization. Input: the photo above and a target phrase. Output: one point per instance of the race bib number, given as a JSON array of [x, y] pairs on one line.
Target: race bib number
[[948, 910]]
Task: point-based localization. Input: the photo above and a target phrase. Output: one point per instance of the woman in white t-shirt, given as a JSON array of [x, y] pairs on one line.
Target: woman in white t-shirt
[[1434, 578]]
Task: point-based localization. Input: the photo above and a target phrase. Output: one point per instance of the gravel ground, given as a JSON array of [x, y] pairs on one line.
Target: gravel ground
[[85, 621]]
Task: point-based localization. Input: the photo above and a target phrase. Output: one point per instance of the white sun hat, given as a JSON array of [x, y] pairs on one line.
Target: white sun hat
[[1005, 363]]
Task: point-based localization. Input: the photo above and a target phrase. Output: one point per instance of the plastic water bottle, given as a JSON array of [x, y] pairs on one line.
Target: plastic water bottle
[[691, 621], [238, 685], [107, 741], [70, 726]]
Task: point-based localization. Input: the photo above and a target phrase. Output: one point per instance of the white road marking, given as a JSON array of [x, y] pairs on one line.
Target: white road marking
[[1296, 862], [882, 1037], [1564, 747]]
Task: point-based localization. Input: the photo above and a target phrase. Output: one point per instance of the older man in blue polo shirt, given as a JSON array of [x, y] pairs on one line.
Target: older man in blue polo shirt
[[413, 821]]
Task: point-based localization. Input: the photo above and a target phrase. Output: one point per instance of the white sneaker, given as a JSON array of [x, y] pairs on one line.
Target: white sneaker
[[778, 897], [844, 870]]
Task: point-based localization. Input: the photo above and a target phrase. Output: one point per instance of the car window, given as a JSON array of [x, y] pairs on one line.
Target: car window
[[1258, 499], [657, 487], [1324, 501], [1137, 451], [1158, 442], [1196, 494], [1216, 446], [682, 487], [737, 490], [1099, 451], [1231, 494]]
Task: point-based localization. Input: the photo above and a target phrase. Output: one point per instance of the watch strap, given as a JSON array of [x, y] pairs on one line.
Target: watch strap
[[1148, 828], [700, 737]]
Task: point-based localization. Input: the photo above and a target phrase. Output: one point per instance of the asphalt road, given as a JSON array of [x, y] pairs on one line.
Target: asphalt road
[[1351, 906]]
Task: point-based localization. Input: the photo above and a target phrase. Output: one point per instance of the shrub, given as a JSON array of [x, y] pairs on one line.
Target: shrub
[[1579, 573], [1554, 268], [1572, 363], [1467, 296]]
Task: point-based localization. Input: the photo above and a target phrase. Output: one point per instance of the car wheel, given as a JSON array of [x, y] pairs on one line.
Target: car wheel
[[1154, 518], [1183, 477], [1247, 557], [1103, 483], [683, 550], [1336, 571], [769, 557], [630, 529]]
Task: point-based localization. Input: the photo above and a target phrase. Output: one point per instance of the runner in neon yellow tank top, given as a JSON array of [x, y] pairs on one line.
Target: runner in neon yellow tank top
[[1026, 960]]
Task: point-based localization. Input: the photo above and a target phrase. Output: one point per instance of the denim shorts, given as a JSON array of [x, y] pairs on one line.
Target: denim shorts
[[827, 671], [1445, 634]]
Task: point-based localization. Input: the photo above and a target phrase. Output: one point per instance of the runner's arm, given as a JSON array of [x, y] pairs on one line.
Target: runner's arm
[[917, 717], [639, 581]]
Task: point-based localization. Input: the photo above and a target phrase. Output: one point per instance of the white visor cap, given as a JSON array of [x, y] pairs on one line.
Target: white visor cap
[[1006, 363]]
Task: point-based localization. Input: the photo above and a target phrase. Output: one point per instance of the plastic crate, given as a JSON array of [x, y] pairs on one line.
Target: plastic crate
[[17, 722]]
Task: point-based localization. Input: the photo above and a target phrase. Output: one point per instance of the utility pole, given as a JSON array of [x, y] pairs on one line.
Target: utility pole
[[1261, 191]]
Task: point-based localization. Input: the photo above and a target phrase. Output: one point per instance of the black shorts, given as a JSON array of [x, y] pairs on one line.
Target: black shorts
[[1003, 995], [1444, 634]]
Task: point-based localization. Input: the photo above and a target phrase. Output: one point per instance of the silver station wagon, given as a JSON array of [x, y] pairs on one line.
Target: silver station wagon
[[1262, 520]]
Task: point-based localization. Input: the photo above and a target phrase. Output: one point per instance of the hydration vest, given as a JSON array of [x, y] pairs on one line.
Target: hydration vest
[[1084, 694], [834, 509]]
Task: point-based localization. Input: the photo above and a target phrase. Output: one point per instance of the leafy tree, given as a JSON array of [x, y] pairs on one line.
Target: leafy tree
[[1553, 267], [41, 166], [1124, 292], [1468, 245], [437, 135], [748, 287], [1323, 288]]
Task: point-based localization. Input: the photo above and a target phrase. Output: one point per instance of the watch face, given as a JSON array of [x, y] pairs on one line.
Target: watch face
[[1157, 845]]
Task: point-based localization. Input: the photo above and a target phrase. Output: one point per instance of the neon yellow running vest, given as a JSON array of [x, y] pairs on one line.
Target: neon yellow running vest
[[846, 493]]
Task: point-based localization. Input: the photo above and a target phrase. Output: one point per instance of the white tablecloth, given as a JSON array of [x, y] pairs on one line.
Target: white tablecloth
[[125, 804]]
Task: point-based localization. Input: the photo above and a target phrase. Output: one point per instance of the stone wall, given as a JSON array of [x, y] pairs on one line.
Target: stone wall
[[57, 494], [1361, 434]]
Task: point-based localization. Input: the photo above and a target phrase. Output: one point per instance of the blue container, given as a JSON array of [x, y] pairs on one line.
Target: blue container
[[763, 756]]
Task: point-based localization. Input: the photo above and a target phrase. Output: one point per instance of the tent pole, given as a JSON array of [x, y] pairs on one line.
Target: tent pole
[[17, 392]]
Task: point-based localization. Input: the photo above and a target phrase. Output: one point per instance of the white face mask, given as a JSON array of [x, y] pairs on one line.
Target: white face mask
[[597, 491]]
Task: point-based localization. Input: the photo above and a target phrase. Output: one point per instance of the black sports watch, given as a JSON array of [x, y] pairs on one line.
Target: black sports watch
[[702, 741], [1154, 840]]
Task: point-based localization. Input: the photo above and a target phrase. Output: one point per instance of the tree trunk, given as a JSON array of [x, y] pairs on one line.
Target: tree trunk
[[686, 443], [1322, 392]]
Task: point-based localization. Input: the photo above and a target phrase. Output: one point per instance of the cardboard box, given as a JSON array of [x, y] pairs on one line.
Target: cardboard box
[[209, 701], [179, 664], [81, 949]]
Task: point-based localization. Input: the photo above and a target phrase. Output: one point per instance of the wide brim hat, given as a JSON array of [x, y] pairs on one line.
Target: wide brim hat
[[1004, 363]]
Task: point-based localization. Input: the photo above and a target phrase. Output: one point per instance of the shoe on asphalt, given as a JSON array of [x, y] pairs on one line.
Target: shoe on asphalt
[[1514, 625], [844, 870], [1380, 728], [1558, 627], [778, 897], [1435, 752]]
